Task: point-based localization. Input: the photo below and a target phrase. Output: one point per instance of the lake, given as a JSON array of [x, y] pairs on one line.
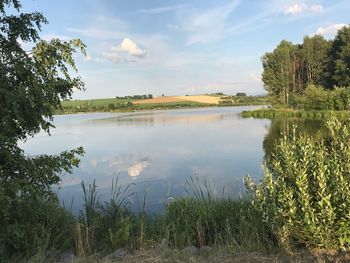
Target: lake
[[159, 151]]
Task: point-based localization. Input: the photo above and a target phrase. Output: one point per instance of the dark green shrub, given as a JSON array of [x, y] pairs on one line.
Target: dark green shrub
[[33, 224]]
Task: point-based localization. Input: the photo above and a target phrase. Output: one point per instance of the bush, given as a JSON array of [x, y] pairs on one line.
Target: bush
[[305, 193], [317, 98], [26, 231]]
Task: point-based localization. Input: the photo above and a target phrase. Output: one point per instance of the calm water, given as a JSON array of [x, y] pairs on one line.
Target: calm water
[[159, 151]]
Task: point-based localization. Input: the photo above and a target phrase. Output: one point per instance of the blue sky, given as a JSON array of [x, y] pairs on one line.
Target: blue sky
[[182, 47]]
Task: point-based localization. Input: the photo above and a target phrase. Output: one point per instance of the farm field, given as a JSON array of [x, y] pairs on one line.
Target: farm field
[[94, 102], [197, 98]]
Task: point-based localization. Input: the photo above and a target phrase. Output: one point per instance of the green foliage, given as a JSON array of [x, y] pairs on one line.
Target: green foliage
[[315, 58], [304, 195], [104, 226], [32, 84], [31, 225], [289, 113], [340, 54], [278, 71], [317, 98], [290, 68], [219, 222], [206, 219], [200, 220]]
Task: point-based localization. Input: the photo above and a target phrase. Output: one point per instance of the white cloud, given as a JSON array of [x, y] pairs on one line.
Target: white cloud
[[158, 10], [124, 52], [296, 9], [130, 47], [330, 30]]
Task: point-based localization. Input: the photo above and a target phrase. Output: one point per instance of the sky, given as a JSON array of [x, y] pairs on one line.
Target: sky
[[178, 47]]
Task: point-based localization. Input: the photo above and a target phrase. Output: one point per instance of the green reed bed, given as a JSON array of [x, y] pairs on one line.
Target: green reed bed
[[289, 113], [200, 220], [103, 227], [217, 223]]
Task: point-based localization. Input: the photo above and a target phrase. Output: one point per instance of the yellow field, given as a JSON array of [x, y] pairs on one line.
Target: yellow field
[[201, 99], [197, 98]]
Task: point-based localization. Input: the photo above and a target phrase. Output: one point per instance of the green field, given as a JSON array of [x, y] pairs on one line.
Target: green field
[[94, 102]]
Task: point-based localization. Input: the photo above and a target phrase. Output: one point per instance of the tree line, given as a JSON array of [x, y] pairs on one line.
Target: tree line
[[137, 97], [291, 68]]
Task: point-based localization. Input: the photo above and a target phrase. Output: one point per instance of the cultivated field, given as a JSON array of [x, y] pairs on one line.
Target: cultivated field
[[201, 99], [198, 98], [158, 100]]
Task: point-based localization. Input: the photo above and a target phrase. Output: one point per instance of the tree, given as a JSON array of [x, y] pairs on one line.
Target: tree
[[278, 71], [340, 55], [316, 56], [32, 84], [289, 69]]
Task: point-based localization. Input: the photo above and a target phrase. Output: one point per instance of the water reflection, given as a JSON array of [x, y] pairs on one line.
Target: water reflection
[[285, 126], [164, 118], [137, 168], [158, 151]]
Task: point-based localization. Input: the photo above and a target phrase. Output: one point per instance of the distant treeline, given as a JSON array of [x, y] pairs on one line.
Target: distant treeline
[[292, 71], [136, 97]]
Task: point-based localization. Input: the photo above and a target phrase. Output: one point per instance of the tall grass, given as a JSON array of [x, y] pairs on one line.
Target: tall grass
[[84, 230], [202, 219], [105, 225], [205, 219]]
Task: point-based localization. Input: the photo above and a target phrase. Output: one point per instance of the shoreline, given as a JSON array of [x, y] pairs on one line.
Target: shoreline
[[157, 108], [272, 113]]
